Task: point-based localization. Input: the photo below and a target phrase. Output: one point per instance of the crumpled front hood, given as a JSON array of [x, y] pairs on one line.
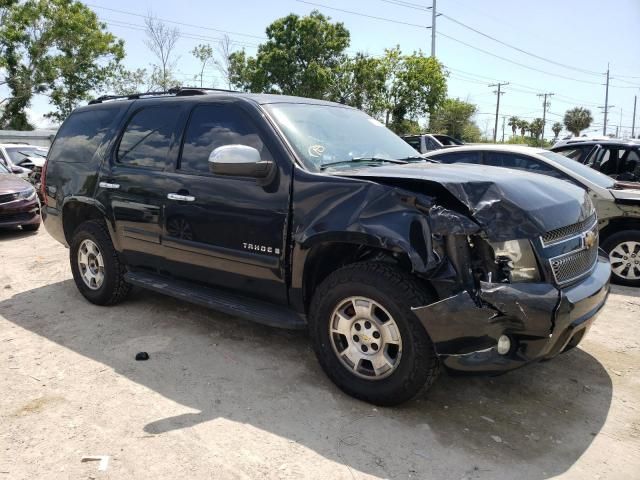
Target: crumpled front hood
[[506, 203]]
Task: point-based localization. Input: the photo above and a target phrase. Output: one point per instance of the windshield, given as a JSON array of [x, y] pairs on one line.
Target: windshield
[[589, 173], [323, 135], [18, 154]]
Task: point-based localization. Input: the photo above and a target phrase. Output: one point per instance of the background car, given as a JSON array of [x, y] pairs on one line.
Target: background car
[[431, 141], [19, 158], [617, 205], [571, 139], [620, 159], [19, 206]]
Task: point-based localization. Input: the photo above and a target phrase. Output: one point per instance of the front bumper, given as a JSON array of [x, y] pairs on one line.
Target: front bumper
[[540, 319], [19, 212]]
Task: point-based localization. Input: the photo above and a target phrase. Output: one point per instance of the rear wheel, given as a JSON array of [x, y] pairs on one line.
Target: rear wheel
[[366, 337], [97, 270], [623, 249]]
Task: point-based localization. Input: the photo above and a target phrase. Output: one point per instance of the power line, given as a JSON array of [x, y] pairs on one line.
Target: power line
[[414, 6], [520, 49], [363, 14], [125, 12]]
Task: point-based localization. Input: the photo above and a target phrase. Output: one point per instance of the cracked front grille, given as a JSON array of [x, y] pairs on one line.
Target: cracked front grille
[[563, 233], [578, 263]]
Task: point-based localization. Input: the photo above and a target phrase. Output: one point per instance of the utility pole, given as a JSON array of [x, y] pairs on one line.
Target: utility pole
[[498, 93], [433, 29], [503, 120], [606, 103], [545, 105], [606, 111], [633, 122]]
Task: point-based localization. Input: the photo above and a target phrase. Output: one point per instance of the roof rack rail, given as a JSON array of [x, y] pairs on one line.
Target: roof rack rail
[[177, 91]]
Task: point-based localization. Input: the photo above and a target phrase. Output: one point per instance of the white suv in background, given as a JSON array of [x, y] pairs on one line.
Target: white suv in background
[[20, 158]]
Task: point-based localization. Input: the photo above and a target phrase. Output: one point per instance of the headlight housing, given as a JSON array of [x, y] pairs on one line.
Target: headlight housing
[[29, 194], [517, 260]]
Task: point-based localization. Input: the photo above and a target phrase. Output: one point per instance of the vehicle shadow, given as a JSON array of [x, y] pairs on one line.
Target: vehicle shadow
[[628, 291], [14, 234], [532, 424]]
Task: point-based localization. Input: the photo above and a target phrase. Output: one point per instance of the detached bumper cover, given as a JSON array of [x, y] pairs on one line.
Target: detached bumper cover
[[540, 319]]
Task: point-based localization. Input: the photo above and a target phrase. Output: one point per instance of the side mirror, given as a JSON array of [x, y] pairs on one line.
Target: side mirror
[[238, 161]]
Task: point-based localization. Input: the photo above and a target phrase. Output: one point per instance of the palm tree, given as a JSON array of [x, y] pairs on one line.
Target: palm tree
[[513, 123], [557, 128], [523, 125], [577, 119], [536, 127]]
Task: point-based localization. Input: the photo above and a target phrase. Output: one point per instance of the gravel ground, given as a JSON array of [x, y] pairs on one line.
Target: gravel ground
[[225, 398]]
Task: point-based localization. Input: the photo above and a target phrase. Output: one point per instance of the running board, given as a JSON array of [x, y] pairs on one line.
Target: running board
[[233, 304]]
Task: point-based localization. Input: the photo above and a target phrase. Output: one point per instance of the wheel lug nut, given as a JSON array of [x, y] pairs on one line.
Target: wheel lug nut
[[376, 334], [358, 327], [356, 338], [374, 346], [364, 348], [367, 325]]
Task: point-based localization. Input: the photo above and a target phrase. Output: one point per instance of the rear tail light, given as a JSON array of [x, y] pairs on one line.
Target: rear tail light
[[43, 183]]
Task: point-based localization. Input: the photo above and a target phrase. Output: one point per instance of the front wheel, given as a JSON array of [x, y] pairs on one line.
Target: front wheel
[[623, 249], [367, 339]]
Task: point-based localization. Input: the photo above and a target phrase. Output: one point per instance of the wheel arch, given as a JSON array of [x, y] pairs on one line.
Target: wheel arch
[[77, 210], [619, 224]]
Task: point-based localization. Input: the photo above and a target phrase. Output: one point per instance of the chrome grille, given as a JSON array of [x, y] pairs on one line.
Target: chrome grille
[[578, 263], [563, 233], [8, 197]]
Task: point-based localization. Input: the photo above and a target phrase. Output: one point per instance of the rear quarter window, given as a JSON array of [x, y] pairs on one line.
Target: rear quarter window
[[81, 134]]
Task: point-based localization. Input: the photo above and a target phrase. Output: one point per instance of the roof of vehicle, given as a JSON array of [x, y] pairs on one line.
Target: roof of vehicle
[[207, 94], [626, 143], [491, 147]]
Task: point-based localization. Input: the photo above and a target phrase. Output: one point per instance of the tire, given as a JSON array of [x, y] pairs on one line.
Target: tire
[[618, 246], [394, 293], [112, 288], [32, 227]]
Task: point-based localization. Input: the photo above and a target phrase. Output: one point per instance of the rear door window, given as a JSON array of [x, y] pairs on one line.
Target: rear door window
[[81, 135], [212, 126], [414, 142], [459, 157], [149, 136]]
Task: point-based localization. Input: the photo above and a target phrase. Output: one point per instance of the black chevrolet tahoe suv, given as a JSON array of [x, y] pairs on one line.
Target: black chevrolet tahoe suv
[[300, 213]]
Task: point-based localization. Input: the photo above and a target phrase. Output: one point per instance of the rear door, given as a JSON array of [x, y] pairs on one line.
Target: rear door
[[135, 186], [226, 231]]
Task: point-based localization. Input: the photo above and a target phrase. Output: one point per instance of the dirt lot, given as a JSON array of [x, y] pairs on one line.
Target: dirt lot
[[224, 398]]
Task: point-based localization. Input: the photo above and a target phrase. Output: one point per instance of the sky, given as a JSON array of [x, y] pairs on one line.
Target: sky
[[561, 47]]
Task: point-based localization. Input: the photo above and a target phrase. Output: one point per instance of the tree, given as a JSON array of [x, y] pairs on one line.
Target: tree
[[535, 127], [161, 40], [513, 123], [523, 125], [204, 54], [453, 117], [577, 119], [556, 128], [128, 82], [359, 81], [55, 46], [298, 58], [225, 48]]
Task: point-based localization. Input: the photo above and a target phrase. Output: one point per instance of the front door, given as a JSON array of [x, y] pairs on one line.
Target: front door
[[229, 232]]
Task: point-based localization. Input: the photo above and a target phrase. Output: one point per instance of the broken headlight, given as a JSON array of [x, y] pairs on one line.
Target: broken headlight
[[517, 260]]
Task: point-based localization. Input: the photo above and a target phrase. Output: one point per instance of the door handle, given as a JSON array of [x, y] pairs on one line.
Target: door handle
[[110, 186], [181, 198]]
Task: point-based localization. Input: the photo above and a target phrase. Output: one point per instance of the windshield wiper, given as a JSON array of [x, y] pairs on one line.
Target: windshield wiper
[[364, 159]]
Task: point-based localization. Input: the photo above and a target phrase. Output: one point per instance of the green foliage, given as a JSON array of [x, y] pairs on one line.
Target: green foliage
[[453, 117], [514, 123], [127, 82], [523, 125], [204, 54], [359, 81], [556, 128], [535, 127], [298, 58], [577, 119], [415, 85], [53, 46]]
